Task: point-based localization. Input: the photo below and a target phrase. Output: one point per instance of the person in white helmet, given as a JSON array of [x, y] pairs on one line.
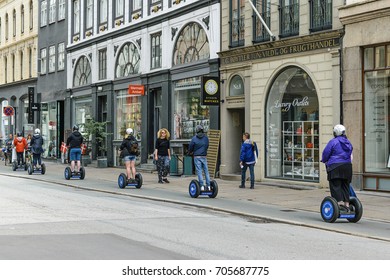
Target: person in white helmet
[[129, 147], [337, 157], [36, 145]]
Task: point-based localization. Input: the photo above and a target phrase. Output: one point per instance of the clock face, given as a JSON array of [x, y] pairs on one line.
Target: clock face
[[211, 87]]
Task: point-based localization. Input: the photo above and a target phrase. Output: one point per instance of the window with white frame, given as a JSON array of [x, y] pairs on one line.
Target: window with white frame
[[102, 64], [52, 10], [156, 50], [119, 8], [89, 17], [43, 61], [76, 17], [82, 72], [128, 61], [103, 11], [61, 9], [43, 13], [135, 9], [52, 59], [61, 56]]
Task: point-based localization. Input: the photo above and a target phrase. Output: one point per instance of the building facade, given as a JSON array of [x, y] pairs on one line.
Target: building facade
[[366, 90], [281, 86], [18, 69], [139, 64], [51, 82]]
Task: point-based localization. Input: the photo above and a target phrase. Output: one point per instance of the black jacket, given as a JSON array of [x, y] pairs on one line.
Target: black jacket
[[36, 144], [126, 146], [75, 140]]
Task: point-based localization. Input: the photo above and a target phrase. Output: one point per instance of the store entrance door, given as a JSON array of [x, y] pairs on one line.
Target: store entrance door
[[234, 130]]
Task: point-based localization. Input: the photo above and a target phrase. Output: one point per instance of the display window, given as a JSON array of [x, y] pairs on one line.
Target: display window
[[83, 111], [292, 121], [377, 111], [27, 128], [187, 108], [128, 108], [49, 129]]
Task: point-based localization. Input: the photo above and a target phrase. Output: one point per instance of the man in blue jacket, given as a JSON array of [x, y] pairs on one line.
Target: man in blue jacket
[[337, 157], [198, 148], [248, 159]]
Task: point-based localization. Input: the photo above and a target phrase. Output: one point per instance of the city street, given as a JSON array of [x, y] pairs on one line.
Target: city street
[[43, 220]]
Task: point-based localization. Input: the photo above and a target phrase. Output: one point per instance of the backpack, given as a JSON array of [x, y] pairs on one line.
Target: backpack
[[134, 148]]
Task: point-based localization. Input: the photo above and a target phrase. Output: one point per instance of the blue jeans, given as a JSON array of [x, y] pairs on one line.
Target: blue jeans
[[75, 154], [201, 165], [251, 171], [37, 159]]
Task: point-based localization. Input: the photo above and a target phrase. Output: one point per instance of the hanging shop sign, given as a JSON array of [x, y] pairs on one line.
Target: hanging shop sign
[[8, 111], [136, 90], [210, 91], [30, 111]]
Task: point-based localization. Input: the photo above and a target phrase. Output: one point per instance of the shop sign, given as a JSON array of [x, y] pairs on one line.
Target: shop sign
[[44, 107], [30, 118], [210, 91], [286, 106], [35, 107], [136, 90]]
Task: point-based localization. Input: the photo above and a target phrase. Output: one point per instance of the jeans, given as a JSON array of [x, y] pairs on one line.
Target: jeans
[[251, 171], [201, 165], [37, 159], [75, 154]]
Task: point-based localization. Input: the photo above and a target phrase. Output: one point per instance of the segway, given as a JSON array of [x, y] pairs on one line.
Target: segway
[[331, 211], [74, 175], [36, 170], [194, 189], [123, 182]]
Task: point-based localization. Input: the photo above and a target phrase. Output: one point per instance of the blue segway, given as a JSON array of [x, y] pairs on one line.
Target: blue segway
[[74, 175], [195, 190], [123, 182], [36, 170], [331, 211]]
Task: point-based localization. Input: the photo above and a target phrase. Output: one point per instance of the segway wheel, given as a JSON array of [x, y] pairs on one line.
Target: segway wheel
[[194, 189], [82, 173], [329, 209], [25, 166], [122, 180], [30, 169], [14, 165], [139, 180], [214, 189], [357, 205], [67, 173], [43, 168]]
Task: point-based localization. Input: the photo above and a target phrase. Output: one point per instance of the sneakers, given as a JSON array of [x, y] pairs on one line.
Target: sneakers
[[344, 208], [208, 188], [160, 182], [165, 180], [202, 188], [241, 187]]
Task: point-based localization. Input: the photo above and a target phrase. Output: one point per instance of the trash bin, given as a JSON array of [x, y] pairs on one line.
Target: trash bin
[[187, 168], [173, 166]]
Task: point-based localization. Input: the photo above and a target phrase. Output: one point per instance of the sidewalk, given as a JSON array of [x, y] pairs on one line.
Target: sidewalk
[[292, 198]]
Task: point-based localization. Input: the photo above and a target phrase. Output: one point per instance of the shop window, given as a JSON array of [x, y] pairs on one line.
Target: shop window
[[128, 61], [128, 114], [292, 136], [377, 110], [82, 112], [49, 128], [191, 45], [236, 87], [187, 108]]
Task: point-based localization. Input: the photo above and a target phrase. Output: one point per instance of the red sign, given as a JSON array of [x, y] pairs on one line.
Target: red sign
[[83, 149], [136, 90], [63, 148], [8, 111]]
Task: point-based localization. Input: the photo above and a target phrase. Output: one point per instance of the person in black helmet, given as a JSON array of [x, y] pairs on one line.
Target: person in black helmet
[[74, 142], [198, 148]]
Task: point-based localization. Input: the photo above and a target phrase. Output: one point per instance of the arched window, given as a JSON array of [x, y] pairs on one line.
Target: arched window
[[22, 19], [127, 61], [82, 72], [192, 45], [236, 87], [31, 15]]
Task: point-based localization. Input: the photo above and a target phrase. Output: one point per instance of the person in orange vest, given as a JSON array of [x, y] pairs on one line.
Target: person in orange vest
[[21, 145]]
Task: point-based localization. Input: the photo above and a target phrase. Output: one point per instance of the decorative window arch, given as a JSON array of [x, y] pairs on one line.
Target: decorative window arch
[[128, 61], [82, 72], [191, 45], [236, 86]]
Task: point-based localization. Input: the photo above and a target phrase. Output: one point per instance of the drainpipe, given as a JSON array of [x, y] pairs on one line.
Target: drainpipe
[[341, 78]]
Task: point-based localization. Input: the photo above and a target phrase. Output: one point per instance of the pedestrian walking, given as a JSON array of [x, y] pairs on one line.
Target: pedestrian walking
[[198, 148], [337, 157], [129, 152], [36, 145], [248, 158], [162, 155]]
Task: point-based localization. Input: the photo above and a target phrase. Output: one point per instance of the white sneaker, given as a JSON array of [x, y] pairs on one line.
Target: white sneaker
[[209, 188], [202, 188]]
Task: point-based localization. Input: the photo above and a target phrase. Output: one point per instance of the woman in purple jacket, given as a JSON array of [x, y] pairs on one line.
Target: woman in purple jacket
[[337, 157]]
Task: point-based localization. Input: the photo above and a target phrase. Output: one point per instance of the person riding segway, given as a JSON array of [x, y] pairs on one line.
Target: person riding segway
[[36, 148], [74, 142]]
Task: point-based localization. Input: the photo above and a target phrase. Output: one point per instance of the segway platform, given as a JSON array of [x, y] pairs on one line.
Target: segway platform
[[123, 182], [194, 189], [36, 170], [21, 167], [75, 175], [331, 211]]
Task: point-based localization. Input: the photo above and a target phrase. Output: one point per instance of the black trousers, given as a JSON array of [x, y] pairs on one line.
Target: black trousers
[[339, 180], [20, 157]]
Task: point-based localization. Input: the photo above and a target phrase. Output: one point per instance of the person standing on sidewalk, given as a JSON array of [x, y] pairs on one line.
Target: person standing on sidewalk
[[248, 157], [36, 147], [337, 157], [162, 155], [74, 142], [198, 148], [129, 147]]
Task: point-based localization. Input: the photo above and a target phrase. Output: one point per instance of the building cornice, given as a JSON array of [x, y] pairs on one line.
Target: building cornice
[[364, 11]]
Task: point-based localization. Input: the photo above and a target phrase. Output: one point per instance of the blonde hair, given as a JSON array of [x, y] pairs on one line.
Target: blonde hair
[[167, 134]]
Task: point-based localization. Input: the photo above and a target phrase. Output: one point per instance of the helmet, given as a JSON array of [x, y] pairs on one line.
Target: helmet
[[19, 134], [198, 128], [338, 130], [37, 131], [75, 128], [129, 131]]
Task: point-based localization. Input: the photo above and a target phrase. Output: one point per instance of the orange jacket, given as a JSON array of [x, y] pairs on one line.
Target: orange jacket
[[20, 144]]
